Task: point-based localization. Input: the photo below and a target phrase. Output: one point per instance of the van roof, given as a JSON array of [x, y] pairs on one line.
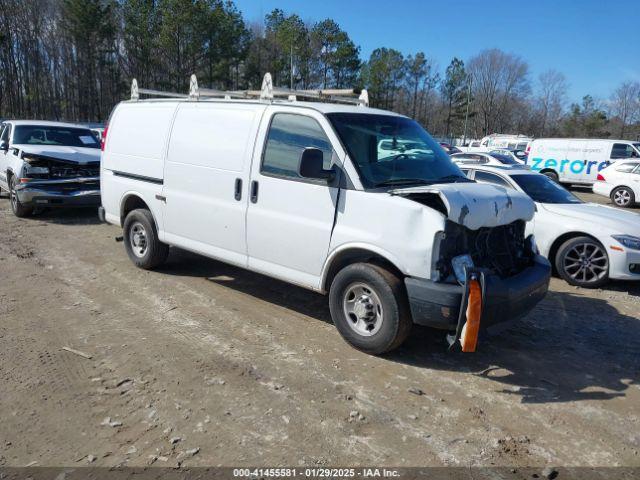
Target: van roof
[[586, 140], [321, 107]]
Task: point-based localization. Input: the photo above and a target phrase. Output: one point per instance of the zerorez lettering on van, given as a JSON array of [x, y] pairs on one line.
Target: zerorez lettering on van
[[359, 203], [574, 160]]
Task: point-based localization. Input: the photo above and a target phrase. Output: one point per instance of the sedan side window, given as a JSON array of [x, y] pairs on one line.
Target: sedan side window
[[627, 167], [289, 135], [486, 177]]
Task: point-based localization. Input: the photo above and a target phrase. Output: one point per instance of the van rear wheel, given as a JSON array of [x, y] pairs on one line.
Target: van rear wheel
[[552, 175], [141, 240], [369, 308]]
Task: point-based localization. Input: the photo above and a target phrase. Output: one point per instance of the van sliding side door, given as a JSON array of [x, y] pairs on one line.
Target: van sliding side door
[[290, 218], [206, 177]]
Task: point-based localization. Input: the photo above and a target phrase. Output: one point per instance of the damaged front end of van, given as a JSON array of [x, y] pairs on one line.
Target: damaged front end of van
[[485, 270]]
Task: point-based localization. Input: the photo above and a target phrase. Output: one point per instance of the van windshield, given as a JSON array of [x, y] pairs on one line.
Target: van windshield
[[389, 150]]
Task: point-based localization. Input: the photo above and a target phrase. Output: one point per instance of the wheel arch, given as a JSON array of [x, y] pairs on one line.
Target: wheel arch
[[550, 170], [132, 201], [351, 254]]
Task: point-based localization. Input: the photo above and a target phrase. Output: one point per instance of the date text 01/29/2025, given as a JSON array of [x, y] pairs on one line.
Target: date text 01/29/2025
[[315, 473]]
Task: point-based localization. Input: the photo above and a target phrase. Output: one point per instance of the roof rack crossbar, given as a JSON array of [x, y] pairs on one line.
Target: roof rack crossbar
[[266, 93]]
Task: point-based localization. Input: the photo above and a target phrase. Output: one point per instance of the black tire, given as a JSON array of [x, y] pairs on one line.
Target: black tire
[[552, 175], [140, 228], [394, 315], [17, 208], [569, 262], [623, 197]]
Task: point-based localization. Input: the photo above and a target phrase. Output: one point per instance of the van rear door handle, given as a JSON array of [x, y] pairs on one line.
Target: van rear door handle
[[238, 190], [254, 191]]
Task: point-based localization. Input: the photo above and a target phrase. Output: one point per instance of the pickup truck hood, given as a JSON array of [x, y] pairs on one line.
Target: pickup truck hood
[[476, 205], [600, 216], [80, 155]]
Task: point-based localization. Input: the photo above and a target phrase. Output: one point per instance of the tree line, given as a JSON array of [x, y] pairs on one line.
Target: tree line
[[74, 60]]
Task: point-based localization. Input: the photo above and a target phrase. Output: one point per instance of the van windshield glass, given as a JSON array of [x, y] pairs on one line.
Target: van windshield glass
[[389, 150], [50, 135], [544, 190]]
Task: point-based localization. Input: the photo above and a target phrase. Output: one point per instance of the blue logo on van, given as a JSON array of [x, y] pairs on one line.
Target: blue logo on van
[[560, 166]]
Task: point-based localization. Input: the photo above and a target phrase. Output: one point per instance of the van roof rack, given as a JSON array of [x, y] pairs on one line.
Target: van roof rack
[[266, 93]]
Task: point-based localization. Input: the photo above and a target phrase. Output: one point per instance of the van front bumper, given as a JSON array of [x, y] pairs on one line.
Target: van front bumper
[[438, 305], [78, 192]]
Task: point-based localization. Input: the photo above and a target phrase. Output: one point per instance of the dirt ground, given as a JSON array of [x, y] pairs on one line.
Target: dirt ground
[[201, 363]]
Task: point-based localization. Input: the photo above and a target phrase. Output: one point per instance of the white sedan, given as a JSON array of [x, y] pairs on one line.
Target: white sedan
[[620, 182], [587, 243]]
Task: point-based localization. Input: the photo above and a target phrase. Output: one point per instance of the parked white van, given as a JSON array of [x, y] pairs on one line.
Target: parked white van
[[313, 194], [497, 141], [577, 160]]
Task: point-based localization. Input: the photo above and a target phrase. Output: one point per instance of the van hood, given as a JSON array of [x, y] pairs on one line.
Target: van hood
[[474, 205], [79, 155], [602, 216]]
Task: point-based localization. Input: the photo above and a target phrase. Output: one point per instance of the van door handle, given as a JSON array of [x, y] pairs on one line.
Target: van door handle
[[238, 190], [254, 191]]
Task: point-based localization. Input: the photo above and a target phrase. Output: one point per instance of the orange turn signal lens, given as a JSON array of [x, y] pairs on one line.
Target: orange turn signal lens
[[469, 336], [614, 247]]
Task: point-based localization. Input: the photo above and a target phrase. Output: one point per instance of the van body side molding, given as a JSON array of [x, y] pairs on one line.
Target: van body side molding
[[142, 178]]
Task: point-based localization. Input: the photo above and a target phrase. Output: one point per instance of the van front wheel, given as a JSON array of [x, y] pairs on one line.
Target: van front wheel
[[141, 240], [369, 308]]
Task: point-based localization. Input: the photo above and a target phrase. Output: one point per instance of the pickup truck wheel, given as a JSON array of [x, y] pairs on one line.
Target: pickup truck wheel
[[583, 262], [18, 209], [369, 308], [623, 197], [141, 240]]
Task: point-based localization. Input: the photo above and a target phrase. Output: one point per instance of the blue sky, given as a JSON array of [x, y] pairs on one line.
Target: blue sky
[[596, 44]]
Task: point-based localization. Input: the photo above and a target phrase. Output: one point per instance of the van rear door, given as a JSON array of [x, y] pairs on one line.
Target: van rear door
[[206, 175], [290, 218]]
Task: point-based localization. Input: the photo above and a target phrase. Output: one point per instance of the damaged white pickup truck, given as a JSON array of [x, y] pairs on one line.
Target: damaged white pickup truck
[[357, 202], [48, 164]]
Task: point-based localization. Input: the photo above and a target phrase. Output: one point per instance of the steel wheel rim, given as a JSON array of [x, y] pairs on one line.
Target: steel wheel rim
[[586, 262], [362, 309], [138, 239], [621, 197]]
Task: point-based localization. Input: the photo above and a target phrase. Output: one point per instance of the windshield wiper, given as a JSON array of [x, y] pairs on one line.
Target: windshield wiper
[[403, 181]]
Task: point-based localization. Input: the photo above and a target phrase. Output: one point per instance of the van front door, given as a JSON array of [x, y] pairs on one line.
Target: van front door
[[290, 218]]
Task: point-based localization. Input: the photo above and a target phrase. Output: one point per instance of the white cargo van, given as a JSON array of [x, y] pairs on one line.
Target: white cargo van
[[577, 160], [359, 203], [497, 141]]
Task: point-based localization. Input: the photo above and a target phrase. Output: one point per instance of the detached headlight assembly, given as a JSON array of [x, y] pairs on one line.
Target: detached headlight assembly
[[460, 265], [628, 241]]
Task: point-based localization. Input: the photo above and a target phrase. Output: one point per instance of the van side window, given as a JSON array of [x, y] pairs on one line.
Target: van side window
[[289, 134], [622, 150], [486, 177], [6, 133]]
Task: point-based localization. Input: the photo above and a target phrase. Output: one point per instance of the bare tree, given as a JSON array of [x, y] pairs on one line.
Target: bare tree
[[625, 105], [499, 79], [552, 93]]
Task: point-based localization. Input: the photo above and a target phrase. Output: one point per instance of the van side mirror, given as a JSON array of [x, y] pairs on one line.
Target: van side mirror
[[312, 165], [4, 145]]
